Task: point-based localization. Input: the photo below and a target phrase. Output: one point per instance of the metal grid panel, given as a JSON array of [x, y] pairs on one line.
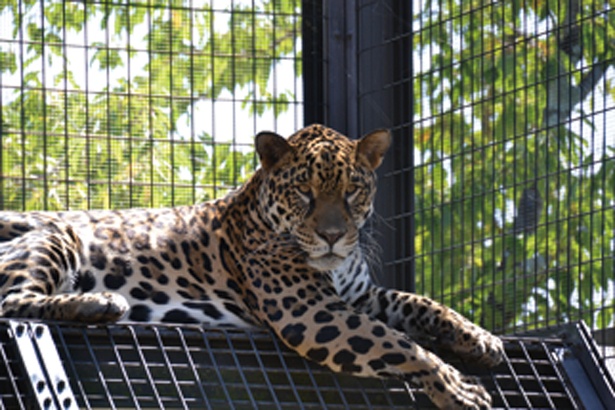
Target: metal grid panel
[[514, 187], [534, 378], [125, 366], [116, 104], [501, 185], [13, 383]]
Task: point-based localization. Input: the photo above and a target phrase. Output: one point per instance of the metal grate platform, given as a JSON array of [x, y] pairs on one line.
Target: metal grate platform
[[135, 366]]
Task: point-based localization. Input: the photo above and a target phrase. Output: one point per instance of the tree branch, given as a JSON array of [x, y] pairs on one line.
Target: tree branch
[[569, 36], [562, 95], [591, 79]]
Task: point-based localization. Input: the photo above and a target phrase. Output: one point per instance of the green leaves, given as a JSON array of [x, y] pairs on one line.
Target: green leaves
[[103, 89], [106, 58], [498, 111], [8, 61]]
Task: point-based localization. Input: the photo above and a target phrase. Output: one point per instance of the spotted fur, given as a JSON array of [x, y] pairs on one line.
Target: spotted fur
[[282, 252]]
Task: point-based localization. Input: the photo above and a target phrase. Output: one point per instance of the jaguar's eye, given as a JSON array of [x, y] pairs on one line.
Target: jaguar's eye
[[304, 191], [352, 190]]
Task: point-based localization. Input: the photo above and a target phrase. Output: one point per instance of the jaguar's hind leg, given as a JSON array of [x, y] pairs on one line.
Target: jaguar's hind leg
[[39, 260]]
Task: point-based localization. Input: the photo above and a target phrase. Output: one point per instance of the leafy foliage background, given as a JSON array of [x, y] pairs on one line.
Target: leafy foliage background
[[515, 175], [103, 103], [102, 106]]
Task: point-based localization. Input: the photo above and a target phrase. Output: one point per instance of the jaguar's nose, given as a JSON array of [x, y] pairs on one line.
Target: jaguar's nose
[[331, 236]]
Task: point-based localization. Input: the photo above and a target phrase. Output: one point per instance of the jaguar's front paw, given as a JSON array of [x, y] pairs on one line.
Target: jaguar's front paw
[[103, 307], [495, 352], [488, 349]]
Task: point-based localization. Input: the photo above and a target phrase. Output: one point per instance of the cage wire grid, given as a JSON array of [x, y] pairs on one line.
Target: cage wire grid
[[146, 366], [503, 194], [100, 115], [130, 104], [501, 170]]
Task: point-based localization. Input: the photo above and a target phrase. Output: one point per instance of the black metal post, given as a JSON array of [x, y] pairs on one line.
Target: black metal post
[[363, 83], [312, 35], [384, 90]]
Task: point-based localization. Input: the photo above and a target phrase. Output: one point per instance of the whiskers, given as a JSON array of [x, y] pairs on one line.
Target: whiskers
[[370, 248]]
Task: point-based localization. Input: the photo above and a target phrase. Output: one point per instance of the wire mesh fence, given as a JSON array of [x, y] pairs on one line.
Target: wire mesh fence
[[512, 161], [503, 171], [113, 104]]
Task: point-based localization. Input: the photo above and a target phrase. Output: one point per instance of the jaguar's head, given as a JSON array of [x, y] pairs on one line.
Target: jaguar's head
[[318, 187]]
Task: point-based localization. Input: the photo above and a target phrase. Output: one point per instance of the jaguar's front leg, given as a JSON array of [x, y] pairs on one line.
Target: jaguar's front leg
[[414, 314], [316, 323]]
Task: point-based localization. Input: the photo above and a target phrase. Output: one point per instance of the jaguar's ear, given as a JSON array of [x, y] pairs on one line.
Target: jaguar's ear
[[271, 147], [372, 147]]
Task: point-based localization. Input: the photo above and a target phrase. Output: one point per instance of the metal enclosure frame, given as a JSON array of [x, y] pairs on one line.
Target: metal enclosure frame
[[48, 365], [352, 85], [364, 88]]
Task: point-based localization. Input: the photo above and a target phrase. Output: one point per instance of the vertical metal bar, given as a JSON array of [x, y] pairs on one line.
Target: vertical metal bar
[[108, 126], [169, 366], [263, 368], [193, 368], [22, 109], [212, 59], [88, 173], [145, 366], [233, 148], [193, 100], [15, 388], [239, 368], [274, 71], [278, 350], [476, 231], [66, 111], [216, 367], [44, 108], [498, 143], [150, 109], [122, 367], [312, 37], [341, 67], [253, 66], [171, 132], [404, 111], [131, 202], [298, 18]]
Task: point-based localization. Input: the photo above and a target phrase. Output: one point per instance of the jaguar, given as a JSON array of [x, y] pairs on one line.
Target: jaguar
[[284, 252]]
